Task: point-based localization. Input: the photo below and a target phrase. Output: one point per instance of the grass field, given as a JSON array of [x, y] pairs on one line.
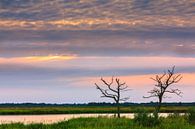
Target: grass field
[[83, 109], [106, 123], [171, 122]]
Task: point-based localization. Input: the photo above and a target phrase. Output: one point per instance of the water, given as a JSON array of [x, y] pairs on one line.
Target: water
[[48, 119]]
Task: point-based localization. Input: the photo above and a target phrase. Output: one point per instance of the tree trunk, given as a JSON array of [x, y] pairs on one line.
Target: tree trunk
[[118, 110], [157, 110]]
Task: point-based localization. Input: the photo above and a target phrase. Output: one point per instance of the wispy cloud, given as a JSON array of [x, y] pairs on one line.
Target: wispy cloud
[[70, 67], [97, 43]]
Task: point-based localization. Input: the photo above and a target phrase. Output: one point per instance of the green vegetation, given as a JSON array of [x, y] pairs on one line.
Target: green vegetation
[[85, 109], [145, 118], [172, 122], [192, 115]]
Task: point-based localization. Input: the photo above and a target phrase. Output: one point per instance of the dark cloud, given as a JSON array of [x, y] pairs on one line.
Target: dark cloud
[[97, 43]]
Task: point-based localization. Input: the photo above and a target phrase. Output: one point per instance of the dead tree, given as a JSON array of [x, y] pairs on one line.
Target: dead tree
[[162, 86], [113, 92]]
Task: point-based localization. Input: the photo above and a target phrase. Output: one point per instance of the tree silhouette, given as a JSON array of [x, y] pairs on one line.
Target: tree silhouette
[[113, 92], [162, 86]]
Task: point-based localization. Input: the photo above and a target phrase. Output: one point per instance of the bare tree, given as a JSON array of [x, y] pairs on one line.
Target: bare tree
[[162, 86], [113, 92]]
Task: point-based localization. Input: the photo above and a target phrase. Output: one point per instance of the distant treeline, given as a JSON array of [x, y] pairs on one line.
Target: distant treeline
[[94, 104]]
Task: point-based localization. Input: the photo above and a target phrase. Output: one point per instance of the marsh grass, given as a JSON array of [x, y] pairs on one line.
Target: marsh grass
[[171, 122], [82, 109], [191, 115], [145, 118]]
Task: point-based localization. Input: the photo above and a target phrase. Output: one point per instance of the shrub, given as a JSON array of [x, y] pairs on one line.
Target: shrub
[[191, 116], [142, 117]]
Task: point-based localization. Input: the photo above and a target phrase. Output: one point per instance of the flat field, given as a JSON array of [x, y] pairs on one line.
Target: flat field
[[84, 109]]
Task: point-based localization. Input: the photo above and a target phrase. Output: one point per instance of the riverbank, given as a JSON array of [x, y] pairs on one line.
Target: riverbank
[[50, 119], [179, 122]]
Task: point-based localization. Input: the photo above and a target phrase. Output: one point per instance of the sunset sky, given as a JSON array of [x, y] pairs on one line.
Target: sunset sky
[[53, 51]]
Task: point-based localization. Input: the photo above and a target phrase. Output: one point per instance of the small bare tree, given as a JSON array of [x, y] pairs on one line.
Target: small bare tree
[[163, 82], [113, 92]]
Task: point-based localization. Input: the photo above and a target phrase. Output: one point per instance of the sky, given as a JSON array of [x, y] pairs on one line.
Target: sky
[[53, 51]]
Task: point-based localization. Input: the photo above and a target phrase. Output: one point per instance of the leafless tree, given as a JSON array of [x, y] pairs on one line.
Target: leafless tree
[[113, 92], [162, 86]]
